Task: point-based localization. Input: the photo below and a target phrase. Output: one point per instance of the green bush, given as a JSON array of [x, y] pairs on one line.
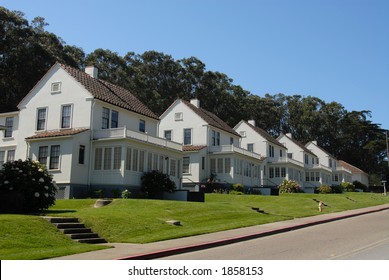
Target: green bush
[[337, 189], [126, 194], [236, 192], [237, 187], [289, 186], [324, 189], [26, 186], [360, 186], [154, 183], [347, 187]]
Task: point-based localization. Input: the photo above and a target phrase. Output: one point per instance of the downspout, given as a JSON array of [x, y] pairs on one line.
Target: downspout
[[91, 143]]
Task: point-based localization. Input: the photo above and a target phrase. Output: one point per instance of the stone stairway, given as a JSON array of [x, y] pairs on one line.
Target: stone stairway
[[75, 230]]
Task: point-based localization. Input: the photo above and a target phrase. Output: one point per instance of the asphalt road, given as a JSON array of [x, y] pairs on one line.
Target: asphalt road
[[363, 237]]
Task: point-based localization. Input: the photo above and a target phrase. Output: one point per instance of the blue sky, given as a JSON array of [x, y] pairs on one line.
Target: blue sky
[[337, 50]]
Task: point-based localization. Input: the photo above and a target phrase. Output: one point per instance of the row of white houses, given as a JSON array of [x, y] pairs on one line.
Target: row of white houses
[[92, 134]]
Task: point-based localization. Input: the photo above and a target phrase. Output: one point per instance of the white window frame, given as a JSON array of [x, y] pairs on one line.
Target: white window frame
[[9, 125], [179, 116], [191, 136], [70, 116], [56, 87], [37, 127]]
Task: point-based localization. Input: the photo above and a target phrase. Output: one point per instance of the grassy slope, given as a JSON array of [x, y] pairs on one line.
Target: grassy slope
[[142, 221]]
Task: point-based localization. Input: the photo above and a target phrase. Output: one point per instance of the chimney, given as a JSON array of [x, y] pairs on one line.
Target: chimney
[[289, 135], [195, 102], [92, 71], [252, 122]]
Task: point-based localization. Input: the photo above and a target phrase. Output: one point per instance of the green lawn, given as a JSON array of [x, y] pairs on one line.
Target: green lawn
[[142, 221]]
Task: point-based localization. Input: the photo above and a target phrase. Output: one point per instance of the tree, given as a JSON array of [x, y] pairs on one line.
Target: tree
[[154, 183]]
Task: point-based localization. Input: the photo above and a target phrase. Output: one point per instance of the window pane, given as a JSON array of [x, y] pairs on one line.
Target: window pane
[[185, 165], [142, 126], [98, 158], [81, 154], [41, 123], [66, 116], [135, 160], [187, 136], [54, 157], [117, 158], [141, 161], [168, 135], [43, 154], [107, 158], [105, 118], [219, 165], [9, 126], [172, 167], [128, 161], [114, 119], [2, 158]]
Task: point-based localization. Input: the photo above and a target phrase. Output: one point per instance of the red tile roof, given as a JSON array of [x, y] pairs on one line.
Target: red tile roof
[[350, 167], [57, 133], [192, 148], [109, 93], [265, 135]]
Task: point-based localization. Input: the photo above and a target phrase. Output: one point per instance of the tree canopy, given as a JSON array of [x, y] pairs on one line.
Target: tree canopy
[[27, 51]]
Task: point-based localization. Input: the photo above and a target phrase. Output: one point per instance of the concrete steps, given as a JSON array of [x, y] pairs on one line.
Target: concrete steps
[[75, 230]]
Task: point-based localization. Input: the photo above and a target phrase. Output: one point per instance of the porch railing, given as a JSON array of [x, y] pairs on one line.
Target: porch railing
[[123, 132], [233, 149]]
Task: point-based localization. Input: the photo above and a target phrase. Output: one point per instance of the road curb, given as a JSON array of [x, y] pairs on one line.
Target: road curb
[[227, 241]]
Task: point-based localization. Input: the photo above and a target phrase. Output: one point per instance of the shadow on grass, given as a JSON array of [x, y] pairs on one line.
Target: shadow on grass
[[49, 212]]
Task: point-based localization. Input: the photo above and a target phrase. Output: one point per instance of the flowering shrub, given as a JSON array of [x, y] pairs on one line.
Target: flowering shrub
[[26, 186], [289, 186], [324, 189], [347, 187], [126, 194]]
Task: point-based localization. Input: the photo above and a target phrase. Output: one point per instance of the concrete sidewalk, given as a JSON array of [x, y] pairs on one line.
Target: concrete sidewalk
[[125, 251]]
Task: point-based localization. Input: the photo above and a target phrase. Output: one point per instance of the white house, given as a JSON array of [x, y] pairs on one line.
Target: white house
[[279, 165], [357, 174], [91, 134], [211, 147]]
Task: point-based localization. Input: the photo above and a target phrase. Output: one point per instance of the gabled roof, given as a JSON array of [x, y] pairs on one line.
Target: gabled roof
[[57, 133], [320, 148], [264, 134], [350, 167], [305, 149], [109, 93], [208, 117]]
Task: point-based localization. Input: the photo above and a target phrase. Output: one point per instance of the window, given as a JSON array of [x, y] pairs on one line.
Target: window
[[56, 87], [81, 154], [290, 155], [213, 166], [242, 133], [215, 138], [114, 119], [66, 115], [283, 172], [142, 125], [307, 176], [317, 176], [2, 158], [250, 147], [105, 118], [135, 160], [117, 158], [203, 163], [271, 151], [107, 158], [128, 160], [330, 162], [41, 119], [281, 154], [187, 136], [231, 141], [219, 165], [141, 161], [306, 159], [168, 135], [54, 157], [271, 172], [149, 161], [277, 172], [98, 158], [110, 118], [172, 167], [227, 165], [185, 165], [178, 116], [43, 154], [11, 155], [9, 123]]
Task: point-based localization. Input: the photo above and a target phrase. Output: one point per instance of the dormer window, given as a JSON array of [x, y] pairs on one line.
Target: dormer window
[[242, 133], [56, 87]]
